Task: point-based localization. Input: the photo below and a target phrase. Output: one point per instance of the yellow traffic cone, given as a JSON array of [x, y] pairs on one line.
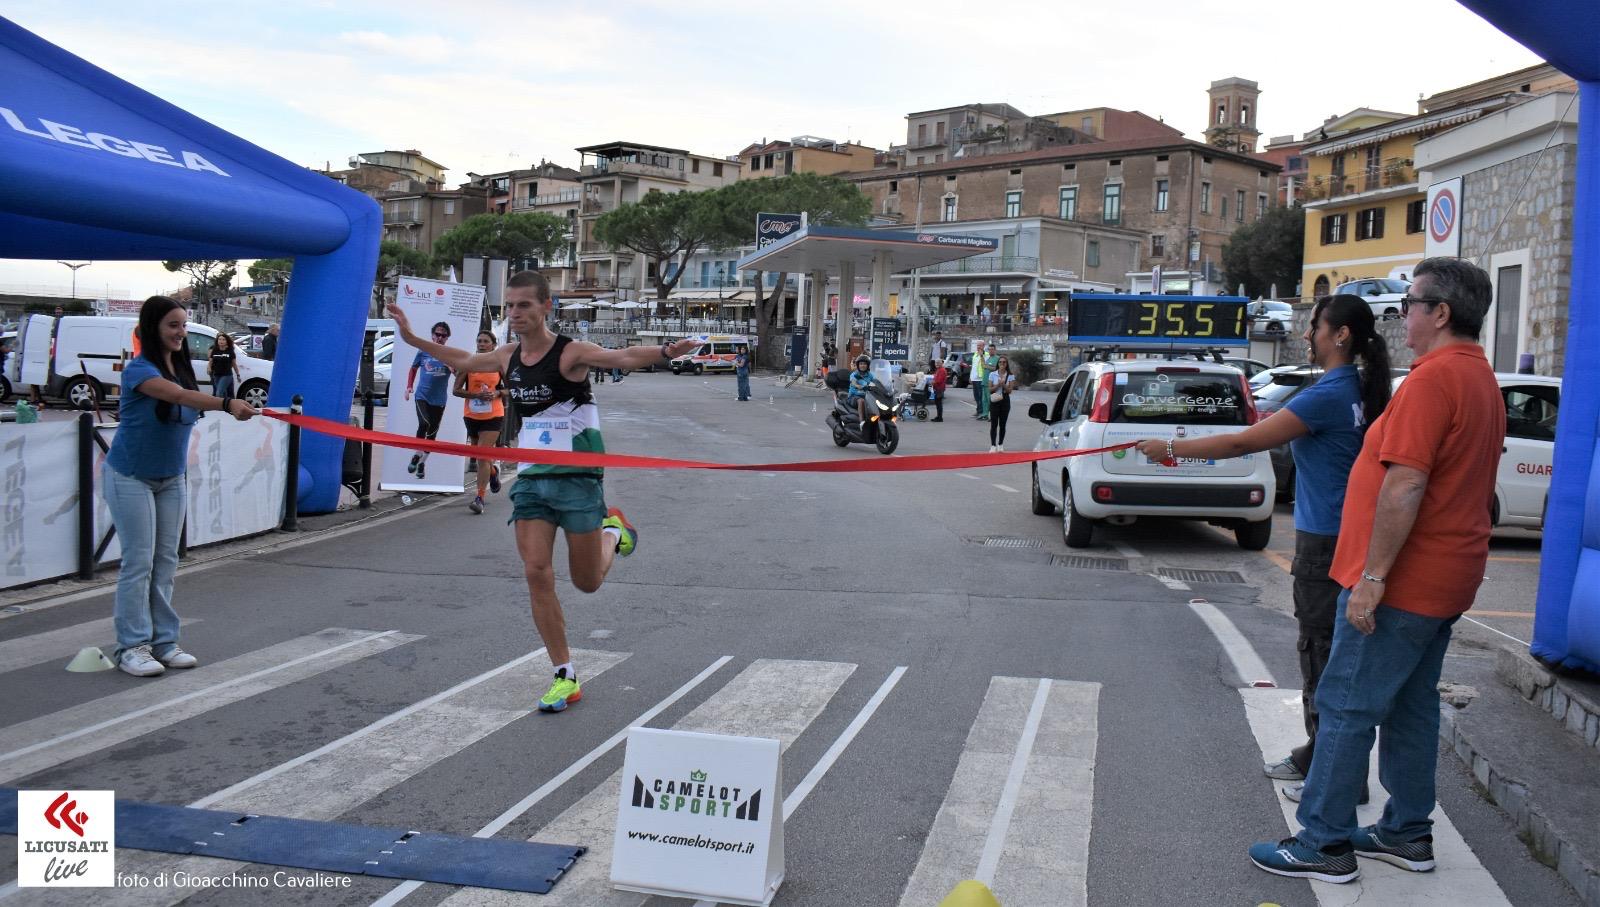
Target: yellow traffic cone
[[89, 658], [970, 893]]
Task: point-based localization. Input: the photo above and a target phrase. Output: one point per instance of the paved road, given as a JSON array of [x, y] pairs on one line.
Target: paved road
[[955, 698]]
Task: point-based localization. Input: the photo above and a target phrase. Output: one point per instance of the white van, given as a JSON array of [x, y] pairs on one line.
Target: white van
[[79, 358]]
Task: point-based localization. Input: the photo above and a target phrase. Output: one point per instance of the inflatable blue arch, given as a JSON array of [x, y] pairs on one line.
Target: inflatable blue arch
[[93, 167]]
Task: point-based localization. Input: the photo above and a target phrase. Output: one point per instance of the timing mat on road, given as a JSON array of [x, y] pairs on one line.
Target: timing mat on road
[[390, 853]]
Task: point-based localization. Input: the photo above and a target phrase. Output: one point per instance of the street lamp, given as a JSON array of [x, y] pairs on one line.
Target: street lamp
[[75, 268]]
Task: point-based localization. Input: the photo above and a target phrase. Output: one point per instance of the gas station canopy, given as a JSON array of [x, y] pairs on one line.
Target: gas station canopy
[[826, 248]]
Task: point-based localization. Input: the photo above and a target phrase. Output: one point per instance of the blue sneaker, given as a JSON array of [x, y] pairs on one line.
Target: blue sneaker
[[1291, 858], [1416, 856]]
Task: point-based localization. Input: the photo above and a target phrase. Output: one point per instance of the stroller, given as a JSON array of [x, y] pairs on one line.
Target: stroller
[[917, 402]]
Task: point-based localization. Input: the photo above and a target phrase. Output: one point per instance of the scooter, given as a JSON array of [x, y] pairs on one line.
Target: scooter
[[883, 412]]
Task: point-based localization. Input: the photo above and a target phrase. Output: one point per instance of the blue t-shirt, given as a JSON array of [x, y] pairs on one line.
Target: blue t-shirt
[[859, 382], [1331, 409], [145, 447], [433, 386]]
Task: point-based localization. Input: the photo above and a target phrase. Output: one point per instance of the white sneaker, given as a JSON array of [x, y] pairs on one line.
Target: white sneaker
[[1292, 792], [991, 448], [139, 662], [1000, 449], [177, 658]]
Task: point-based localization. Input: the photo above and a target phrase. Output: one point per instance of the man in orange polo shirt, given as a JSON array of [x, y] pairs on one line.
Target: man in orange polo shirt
[[1413, 544]]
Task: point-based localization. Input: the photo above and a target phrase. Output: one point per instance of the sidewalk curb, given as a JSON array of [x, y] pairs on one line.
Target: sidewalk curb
[[1543, 838]]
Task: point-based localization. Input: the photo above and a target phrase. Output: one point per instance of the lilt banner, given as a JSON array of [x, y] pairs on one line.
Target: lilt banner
[[421, 402], [700, 816]]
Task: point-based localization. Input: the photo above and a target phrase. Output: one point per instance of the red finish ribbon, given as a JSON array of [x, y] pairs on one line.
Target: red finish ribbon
[[918, 463]]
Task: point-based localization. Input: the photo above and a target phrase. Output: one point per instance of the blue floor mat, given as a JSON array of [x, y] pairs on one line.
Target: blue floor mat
[[391, 853]]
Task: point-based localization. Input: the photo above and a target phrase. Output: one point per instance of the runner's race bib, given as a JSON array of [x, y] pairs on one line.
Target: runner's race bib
[[482, 407], [546, 433]]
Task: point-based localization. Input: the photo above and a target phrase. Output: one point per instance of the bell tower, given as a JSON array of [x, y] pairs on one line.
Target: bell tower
[[1231, 116]]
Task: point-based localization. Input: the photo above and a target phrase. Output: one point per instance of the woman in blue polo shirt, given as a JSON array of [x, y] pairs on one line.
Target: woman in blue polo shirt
[[1323, 425], [145, 488]]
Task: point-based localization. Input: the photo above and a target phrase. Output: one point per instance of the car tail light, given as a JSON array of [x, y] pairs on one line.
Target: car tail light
[[1105, 494], [1102, 399], [1251, 415]]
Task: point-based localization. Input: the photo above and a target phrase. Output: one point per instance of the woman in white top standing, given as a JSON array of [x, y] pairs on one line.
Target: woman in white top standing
[[1001, 384]]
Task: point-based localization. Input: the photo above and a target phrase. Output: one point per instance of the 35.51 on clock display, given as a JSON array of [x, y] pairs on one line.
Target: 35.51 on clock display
[[1158, 320]]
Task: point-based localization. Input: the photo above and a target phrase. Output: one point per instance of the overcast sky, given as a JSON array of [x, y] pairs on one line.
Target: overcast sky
[[495, 84]]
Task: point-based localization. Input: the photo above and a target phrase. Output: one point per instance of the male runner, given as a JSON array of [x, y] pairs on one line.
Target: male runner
[[547, 376]]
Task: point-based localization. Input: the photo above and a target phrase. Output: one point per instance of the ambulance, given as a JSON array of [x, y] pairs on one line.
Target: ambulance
[[716, 354]]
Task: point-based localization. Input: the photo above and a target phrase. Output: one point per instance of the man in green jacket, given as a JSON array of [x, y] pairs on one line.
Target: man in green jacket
[[980, 380]]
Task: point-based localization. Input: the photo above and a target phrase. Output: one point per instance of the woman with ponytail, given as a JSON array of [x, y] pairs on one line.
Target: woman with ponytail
[[144, 485], [1323, 425]]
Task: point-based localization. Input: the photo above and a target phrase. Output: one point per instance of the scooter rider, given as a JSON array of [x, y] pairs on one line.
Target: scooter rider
[[861, 379]]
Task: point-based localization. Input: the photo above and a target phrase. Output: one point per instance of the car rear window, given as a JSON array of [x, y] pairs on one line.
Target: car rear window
[[1192, 398]]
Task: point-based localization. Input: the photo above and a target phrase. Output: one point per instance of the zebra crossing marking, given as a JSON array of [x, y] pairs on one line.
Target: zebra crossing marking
[[1018, 812], [50, 740], [333, 779], [27, 651], [401, 891], [1459, 879], [770, 698]]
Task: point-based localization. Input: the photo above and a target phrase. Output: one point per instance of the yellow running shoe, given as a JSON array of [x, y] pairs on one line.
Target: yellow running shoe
[[563, 692], [627, 536]]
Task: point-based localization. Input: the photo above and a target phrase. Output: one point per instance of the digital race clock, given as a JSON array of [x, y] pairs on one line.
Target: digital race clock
[[1158, 320]]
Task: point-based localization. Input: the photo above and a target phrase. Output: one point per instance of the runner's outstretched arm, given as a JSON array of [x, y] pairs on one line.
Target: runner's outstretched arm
[[591, 355], [458, 359]]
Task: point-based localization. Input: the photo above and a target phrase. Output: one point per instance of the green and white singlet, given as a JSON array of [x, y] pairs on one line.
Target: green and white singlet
[[540, 390]]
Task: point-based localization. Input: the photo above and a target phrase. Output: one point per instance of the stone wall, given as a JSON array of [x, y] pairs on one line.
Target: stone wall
[[1526, 203]]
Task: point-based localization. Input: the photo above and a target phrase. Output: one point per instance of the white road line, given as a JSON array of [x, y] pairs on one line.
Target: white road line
[[767, 699], [544, 790], [336, 778], [1000, 823], [802, 422], [53, 739], [801, 790], [1176, 585], [1460, 879], [1027, 767], [968, 475], [25, 651], [1005, 488], [1125, 550], [1493, 630], [1246, 663]]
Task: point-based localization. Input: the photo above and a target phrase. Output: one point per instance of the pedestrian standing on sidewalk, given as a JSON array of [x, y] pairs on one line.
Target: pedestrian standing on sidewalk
[[269, 344], [145, 486], [547, 379], [223, 367], [741, 370], [940, 348], [1323, 426], [1001, 384], [941, 379], [1413, 545], [980, 381], [484, 415]]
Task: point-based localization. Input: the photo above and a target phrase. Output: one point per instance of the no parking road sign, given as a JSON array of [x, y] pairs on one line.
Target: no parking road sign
[[1443, 220]]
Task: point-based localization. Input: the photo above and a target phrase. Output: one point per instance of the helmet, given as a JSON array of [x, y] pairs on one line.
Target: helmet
[[863, 360]]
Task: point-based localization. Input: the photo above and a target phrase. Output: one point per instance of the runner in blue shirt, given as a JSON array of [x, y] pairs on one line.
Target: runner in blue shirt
[[1323, 425], [433, 391]]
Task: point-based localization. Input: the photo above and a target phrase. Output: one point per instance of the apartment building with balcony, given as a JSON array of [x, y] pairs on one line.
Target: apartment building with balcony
[[618, 173], [380, 173], [1179, 200], [804, 154], [418, 219]]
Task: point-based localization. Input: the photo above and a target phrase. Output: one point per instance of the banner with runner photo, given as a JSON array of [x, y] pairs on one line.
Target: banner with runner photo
[[421, 404]]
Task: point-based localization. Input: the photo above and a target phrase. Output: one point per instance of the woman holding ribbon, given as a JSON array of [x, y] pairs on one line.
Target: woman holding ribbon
[[1323, 426]]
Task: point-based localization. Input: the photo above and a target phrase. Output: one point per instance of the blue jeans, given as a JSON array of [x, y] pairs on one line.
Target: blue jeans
[[222, 386], [148, 514], [1390, 680], [744, 385]]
